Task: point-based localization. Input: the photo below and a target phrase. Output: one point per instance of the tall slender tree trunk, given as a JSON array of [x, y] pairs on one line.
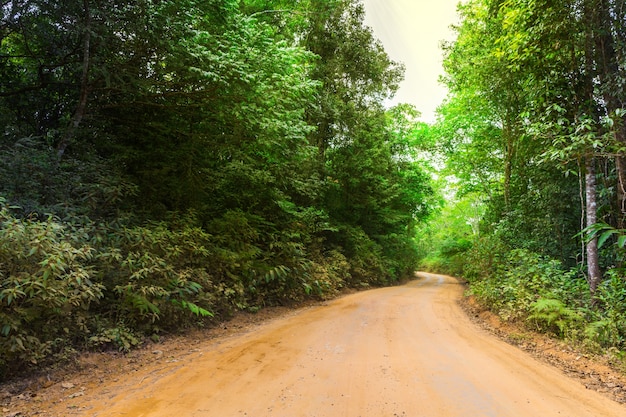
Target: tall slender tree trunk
[[508, 164], [592, 59], [593, 266], [620, 167], [606, 21], [79, 113]]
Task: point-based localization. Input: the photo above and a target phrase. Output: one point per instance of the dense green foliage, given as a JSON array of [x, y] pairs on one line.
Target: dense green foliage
[[165, 163], [533, 133]]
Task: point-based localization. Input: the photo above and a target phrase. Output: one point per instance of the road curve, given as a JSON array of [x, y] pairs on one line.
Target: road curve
[[400, 351]]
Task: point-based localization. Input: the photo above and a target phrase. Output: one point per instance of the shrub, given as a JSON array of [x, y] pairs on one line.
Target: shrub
[[118, 337], [484, 258], [518, 280], [328, 275], [524, 285], [550, 315], [47, 286], [606, 333], [609, 326], [155, 274]]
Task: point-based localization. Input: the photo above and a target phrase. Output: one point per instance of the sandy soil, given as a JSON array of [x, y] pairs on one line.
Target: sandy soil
[[401, 351]]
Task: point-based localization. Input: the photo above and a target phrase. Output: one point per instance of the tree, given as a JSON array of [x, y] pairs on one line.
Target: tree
[[514, 66], [574, 37], [195, 157]]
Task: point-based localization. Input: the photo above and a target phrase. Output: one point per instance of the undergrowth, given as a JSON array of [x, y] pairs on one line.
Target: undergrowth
[[525, 287], [74, 284]]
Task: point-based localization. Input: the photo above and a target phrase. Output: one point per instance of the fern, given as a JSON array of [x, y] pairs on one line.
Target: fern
[[604, 332], [193, 308], [552, 315]]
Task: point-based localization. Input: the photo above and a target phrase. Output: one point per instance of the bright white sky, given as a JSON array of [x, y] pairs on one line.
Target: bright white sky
[[411, 32]]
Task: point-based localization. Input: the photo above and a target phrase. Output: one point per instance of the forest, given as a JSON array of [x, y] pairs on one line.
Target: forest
[[533, 138], [167, 163], [164, 164]]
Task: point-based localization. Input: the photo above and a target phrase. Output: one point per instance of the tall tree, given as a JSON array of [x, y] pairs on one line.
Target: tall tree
[[574, 39], [528, 68], [562, 64]]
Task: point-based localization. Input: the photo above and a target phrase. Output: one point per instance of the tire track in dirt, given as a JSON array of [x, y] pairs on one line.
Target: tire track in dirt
[[399, 351]]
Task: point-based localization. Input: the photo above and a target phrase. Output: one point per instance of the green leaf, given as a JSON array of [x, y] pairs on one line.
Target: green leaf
[[604, 236]]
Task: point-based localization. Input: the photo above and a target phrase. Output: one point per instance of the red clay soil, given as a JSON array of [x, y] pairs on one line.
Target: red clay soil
[[400, 351]]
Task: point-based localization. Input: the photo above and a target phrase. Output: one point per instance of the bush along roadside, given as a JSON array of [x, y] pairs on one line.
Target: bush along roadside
[[72, 285], [539, 292]]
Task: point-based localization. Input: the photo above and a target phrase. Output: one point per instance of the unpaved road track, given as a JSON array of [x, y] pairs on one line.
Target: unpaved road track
[[402, 351]]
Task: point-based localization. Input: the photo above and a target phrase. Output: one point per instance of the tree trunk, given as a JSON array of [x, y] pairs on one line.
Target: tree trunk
[[606, 36], [508, 163], [620, 167], [593, 266], [79, 113]]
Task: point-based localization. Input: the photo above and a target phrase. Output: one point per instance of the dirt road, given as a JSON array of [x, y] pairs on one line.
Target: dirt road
[[401, 351]]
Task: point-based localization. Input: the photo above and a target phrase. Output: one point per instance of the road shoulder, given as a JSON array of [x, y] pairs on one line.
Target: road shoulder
[[600, 373]]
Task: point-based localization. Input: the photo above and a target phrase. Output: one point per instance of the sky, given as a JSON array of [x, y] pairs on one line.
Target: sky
[[411, 32]]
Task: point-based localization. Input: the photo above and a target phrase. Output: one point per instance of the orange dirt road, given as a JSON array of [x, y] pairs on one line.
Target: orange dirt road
[[402, 351]]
